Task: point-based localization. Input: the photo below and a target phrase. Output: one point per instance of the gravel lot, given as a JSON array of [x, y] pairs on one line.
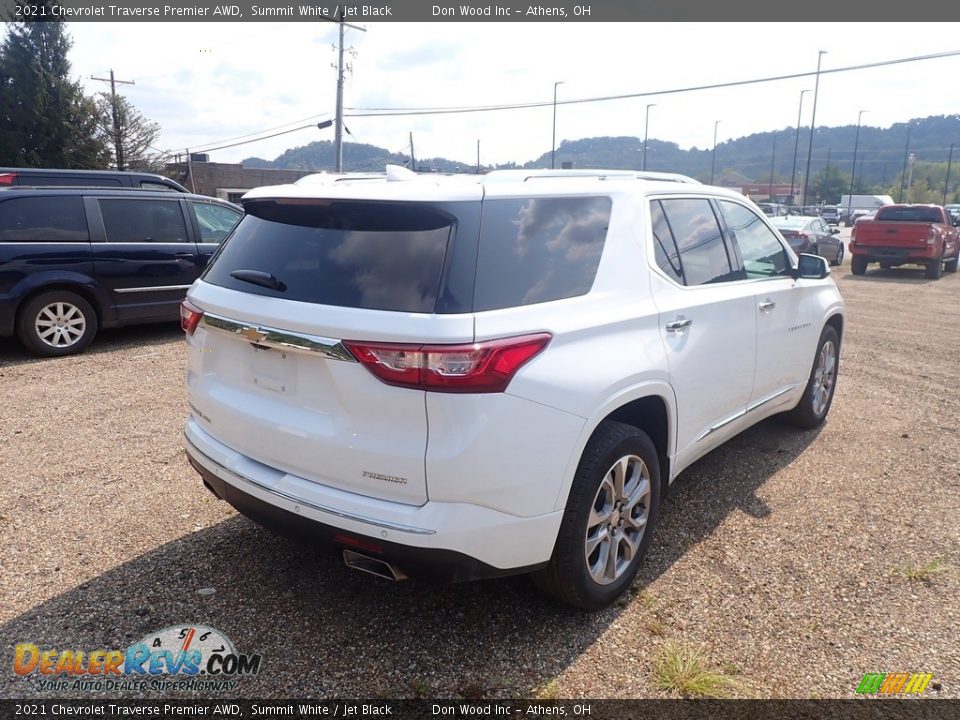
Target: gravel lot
[[784, 556]]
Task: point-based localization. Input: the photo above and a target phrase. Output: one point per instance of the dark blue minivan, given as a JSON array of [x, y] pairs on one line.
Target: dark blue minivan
[[75, 260]]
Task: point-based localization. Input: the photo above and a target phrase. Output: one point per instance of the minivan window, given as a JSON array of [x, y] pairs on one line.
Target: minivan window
[[214, 221], [157, 221], [151, 185], [699, 240], [372, 255], [534, 250], [43, 219]]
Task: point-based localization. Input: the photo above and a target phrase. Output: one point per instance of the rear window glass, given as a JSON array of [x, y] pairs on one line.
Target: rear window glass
[[910, 214], [43, 219], [378, 256], [534, 250]]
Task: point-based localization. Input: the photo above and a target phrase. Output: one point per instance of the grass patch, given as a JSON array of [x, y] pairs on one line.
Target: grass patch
[[549, 690], [686, 670], [926, 572], [655, 627]]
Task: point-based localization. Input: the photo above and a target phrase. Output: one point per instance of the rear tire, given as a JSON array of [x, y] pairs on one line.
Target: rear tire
[[817, 398], [839, 258], [951, 265], [608, 521], [57, 323], [933, 269], [858, 264]]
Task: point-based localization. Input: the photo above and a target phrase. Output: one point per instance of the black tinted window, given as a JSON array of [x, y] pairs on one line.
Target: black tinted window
[[664, 247], [379, 256], [534, 250], [761, 251], [699, 240], [71, 180], [158, 221], [43, 219]]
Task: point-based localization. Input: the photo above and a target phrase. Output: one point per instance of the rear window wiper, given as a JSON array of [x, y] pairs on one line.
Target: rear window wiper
[[257, 277]]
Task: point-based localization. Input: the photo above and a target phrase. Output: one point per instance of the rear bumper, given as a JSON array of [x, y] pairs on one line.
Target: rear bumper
[[441, 541], [895, 254]]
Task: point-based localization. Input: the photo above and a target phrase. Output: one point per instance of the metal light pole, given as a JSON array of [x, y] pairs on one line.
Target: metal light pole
[[813, 125], [553, 150], [903, 173], [713, 158], [796, 146], [773, 156], [853, 170], [646, 128], [913, 159], [947, 181]]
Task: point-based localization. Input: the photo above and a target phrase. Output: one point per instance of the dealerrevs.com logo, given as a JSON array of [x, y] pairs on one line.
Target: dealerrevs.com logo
[[182, 657]]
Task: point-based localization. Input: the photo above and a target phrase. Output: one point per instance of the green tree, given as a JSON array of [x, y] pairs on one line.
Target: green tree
[[137, 134], [829, 184], [47, 120]]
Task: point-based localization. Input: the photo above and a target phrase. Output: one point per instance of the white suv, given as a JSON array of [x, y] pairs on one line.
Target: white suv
[[473, 376]]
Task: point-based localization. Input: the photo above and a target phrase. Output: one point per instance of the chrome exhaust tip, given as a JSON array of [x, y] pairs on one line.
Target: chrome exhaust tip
[[372, 565]]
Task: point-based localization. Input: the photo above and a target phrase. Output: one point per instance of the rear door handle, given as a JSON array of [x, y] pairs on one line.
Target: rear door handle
[[767, 305], [185, 256], [679, 324]]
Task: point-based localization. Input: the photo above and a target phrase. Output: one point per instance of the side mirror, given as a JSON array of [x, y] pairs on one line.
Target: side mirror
[[812, 267]]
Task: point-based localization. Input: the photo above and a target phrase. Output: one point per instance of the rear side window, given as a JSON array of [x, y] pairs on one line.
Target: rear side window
[[763, 255], [703, 253], [534, 250], [156, 221], [372, 255], [154, 185], [43, 219], [664, 246]]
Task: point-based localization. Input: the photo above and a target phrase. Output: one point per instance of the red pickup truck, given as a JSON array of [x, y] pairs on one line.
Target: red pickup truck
[[906, 234]]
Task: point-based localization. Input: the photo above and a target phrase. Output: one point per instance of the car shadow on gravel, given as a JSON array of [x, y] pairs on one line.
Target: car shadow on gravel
[[911, 275], [13, 353], [326, 631]]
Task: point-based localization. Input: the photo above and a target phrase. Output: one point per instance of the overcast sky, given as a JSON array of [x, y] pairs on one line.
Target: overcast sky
[[207, 83]]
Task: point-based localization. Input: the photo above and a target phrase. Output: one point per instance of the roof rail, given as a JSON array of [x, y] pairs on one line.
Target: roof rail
[[528, 175]]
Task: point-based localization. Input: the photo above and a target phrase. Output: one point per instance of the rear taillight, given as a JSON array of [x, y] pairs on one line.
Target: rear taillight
[[8, 178], [932, 236], [190, 316], [484, 367]]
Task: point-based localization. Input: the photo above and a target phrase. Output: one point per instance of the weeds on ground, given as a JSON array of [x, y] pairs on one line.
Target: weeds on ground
[[924, 573], [549, 690], [686, 670]]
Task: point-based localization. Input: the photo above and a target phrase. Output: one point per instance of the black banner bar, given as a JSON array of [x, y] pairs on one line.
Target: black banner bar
[[827, 11], [872, 709]]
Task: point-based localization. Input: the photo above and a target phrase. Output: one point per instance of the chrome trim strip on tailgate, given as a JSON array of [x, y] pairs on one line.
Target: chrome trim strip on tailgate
[[219, 469], [152, 288], [280, 339]]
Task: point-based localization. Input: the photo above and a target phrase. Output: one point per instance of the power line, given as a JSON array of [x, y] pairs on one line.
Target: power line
[[397, 112], [391, 112]]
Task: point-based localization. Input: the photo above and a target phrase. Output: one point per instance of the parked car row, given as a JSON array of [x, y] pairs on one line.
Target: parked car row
[[75, 259]]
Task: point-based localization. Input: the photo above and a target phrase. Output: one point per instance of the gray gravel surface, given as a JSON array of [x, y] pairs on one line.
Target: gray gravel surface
[[783, 555]]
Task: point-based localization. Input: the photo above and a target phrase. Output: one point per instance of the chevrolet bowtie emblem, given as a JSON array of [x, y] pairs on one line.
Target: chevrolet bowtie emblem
[[253, 334]]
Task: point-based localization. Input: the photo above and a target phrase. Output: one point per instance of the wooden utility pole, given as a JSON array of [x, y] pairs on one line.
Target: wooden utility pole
[[117, 140], [338, 129]]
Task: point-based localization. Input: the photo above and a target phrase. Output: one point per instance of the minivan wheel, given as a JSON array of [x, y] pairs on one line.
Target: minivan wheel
[[813, 407], [608, 521], [57, 323]]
